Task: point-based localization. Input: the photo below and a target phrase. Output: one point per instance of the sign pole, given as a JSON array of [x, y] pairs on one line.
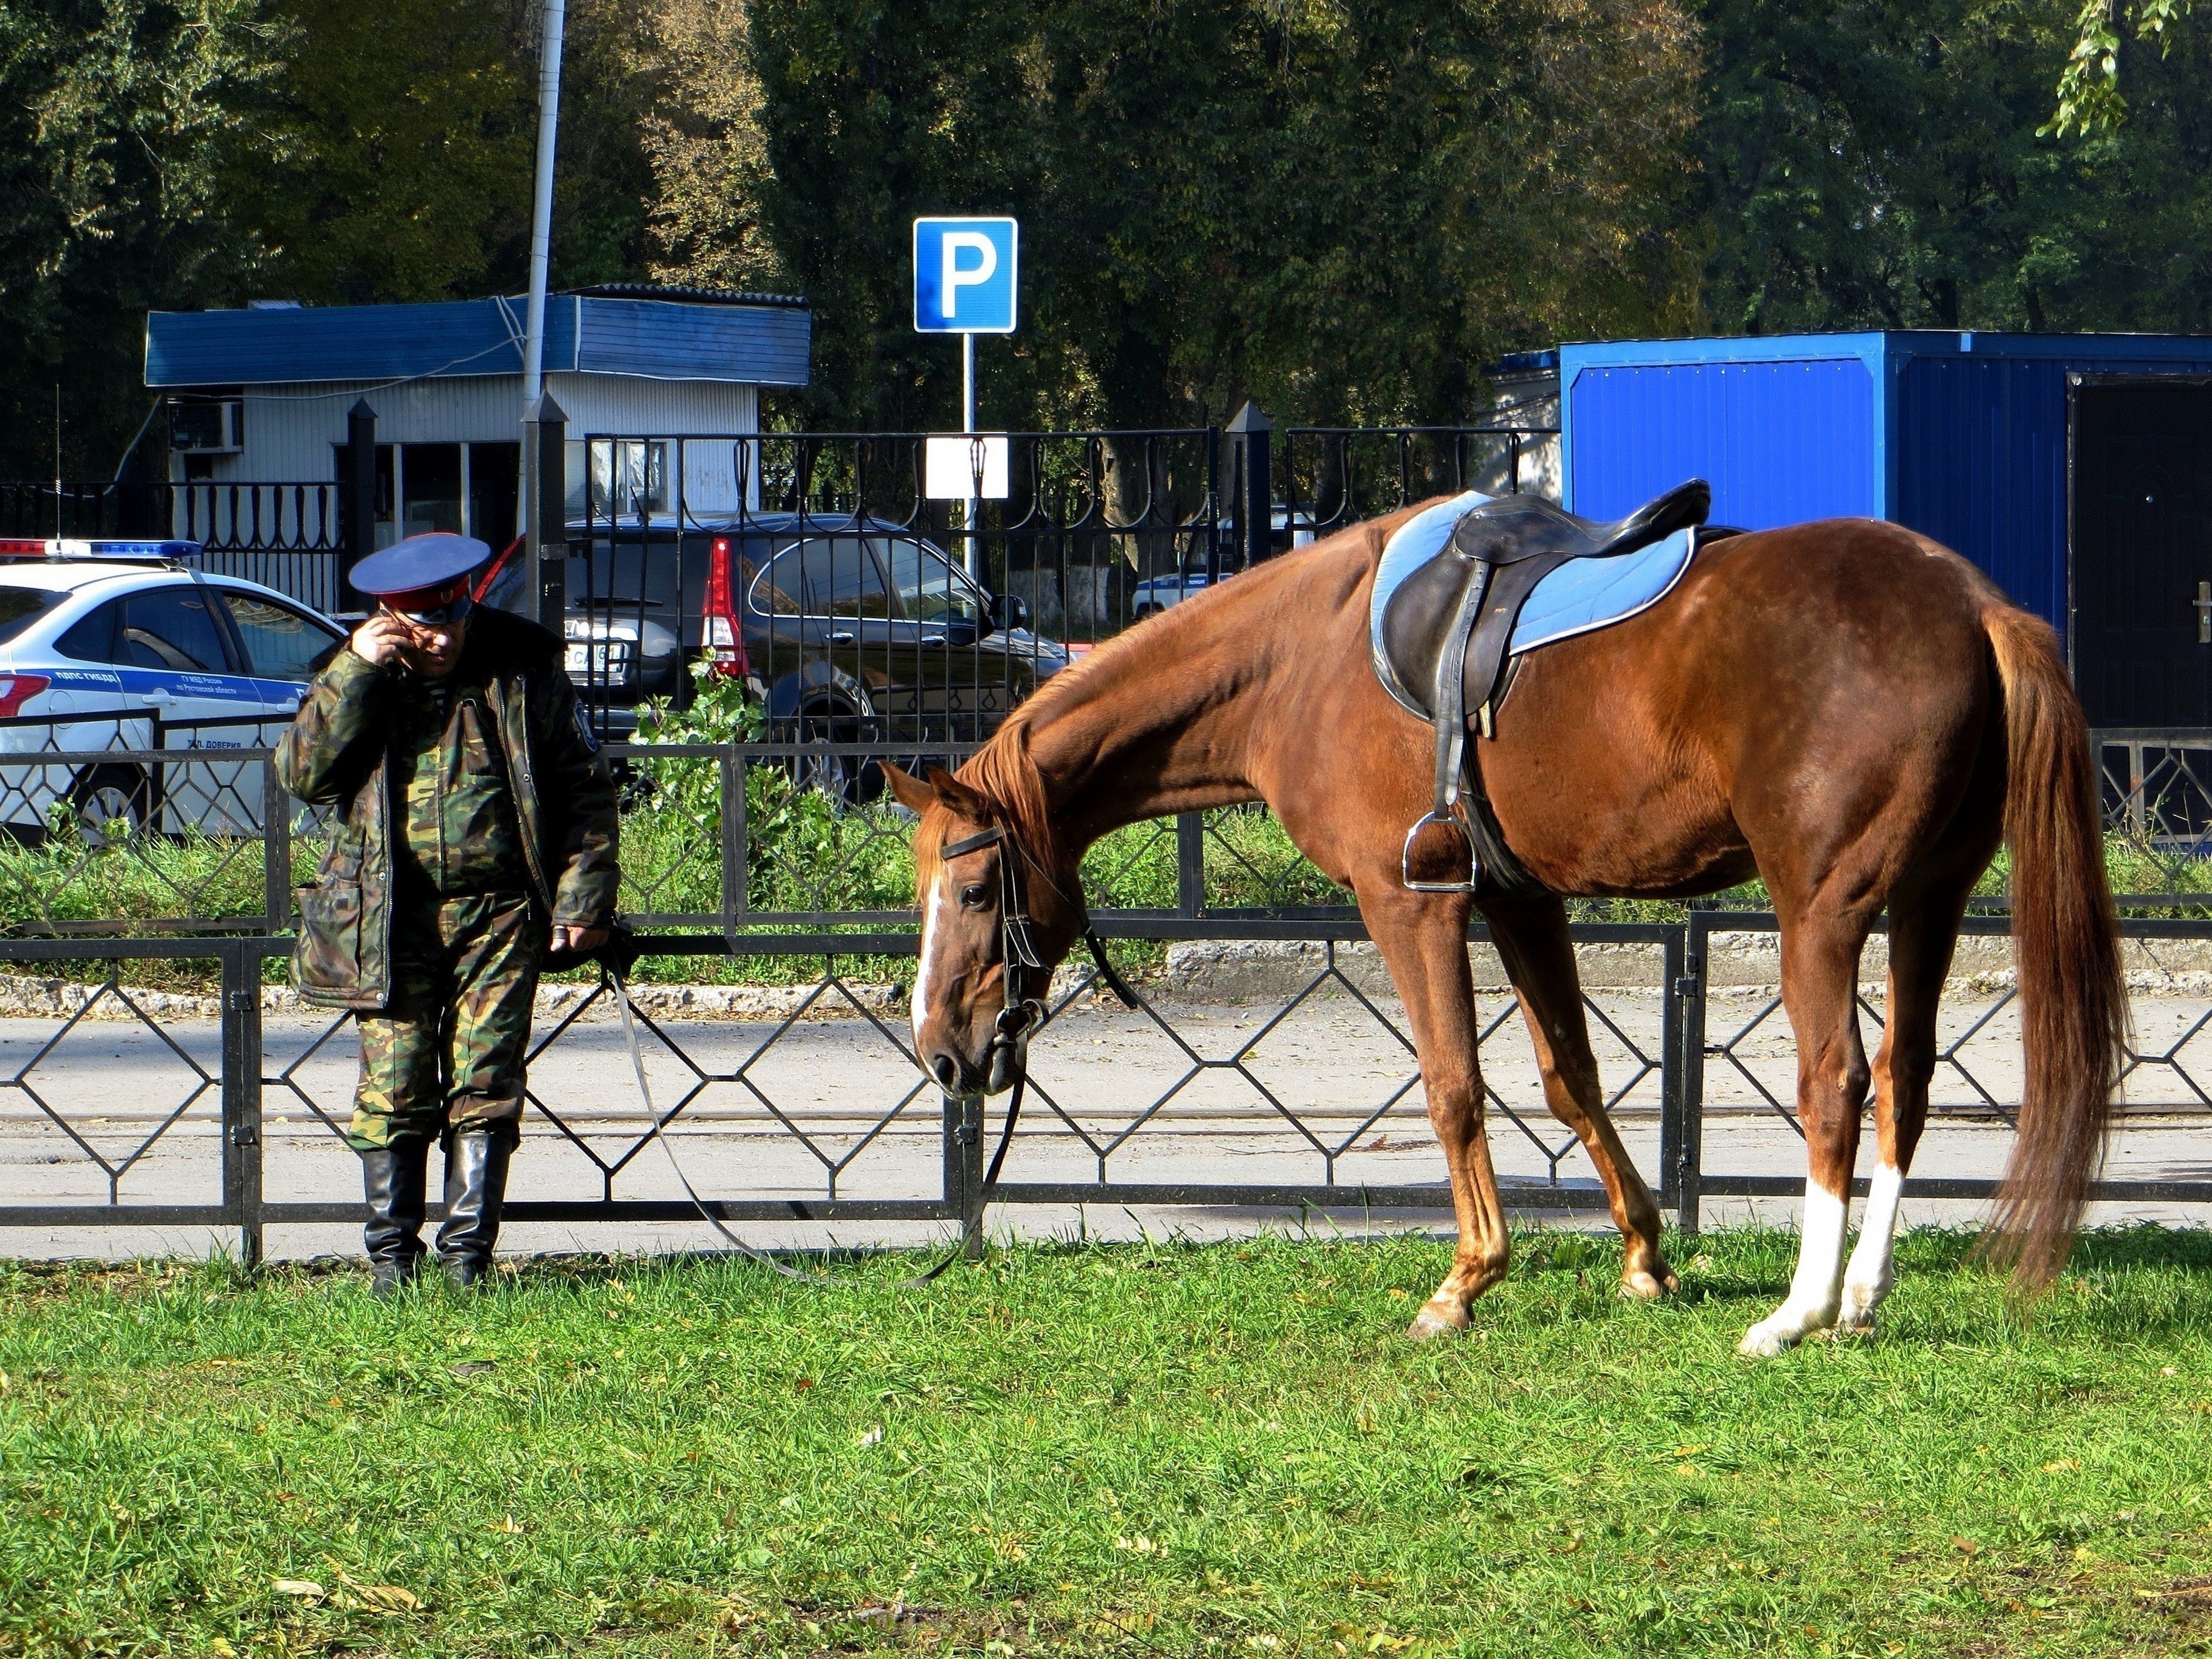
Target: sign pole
[[974, 554]]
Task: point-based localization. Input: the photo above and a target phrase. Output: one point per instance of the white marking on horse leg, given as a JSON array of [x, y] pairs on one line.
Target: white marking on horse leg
[[921, 1009], [1816, 1291], [1872, 1272]]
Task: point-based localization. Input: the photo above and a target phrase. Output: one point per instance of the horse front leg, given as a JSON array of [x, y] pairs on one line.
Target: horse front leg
[[1423, 940]]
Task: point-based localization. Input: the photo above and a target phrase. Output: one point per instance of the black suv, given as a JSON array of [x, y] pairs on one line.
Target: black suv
[[849, 630]]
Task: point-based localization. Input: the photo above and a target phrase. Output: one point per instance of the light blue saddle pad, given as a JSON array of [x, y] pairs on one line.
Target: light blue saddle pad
[[1582, 595]]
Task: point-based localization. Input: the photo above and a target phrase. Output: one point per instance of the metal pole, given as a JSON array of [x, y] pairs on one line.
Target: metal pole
[[533, 340], [974, 558], [541, 217]]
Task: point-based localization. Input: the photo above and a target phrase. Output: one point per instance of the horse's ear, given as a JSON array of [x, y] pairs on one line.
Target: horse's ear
[[958, 795], [910, 791]]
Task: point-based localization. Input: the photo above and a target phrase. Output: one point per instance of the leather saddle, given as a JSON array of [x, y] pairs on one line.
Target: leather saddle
[[1440, 645]]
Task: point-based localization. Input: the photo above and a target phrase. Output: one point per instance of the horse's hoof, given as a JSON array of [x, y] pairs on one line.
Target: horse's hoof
[[1760, 1343], [1639, 1286], [1429, 1322], [1850, 1329]]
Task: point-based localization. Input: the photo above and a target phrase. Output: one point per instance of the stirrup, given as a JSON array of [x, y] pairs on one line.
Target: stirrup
[[1406, 858]]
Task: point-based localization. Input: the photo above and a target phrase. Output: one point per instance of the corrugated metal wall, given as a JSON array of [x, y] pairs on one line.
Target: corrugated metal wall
[[1780, 442], [1982, 459]]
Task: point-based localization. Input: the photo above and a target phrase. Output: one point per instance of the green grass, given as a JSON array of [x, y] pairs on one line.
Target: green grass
[[1216, 1450]]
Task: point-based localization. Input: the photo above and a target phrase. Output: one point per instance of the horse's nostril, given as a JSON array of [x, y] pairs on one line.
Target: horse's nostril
[[946, 1071]]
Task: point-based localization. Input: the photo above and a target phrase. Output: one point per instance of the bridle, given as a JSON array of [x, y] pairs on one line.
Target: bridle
[[1017, 951], [1021, 1015], [1018, 1018]]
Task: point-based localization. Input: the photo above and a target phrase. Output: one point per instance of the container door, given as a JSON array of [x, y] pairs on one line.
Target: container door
[[2142, 554]]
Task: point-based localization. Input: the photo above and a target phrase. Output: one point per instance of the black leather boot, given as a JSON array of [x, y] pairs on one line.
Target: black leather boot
[[393, 1179], [476, 1188]]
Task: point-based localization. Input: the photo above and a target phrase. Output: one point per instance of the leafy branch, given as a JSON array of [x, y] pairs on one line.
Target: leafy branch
[[2089, 99]]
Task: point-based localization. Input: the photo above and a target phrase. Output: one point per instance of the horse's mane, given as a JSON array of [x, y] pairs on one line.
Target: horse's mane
[[1005, 774]]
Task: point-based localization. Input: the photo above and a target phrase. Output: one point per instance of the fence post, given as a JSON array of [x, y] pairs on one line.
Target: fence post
[[963, 1171], [361, 498], [241, 1094], [276, 850], [736, 899], [1686, 1168], [545, 485], [1190, 863], [1671, 1005], [1251, 510]]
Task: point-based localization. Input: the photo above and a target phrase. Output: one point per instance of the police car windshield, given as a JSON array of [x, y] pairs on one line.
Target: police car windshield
[[21, 606]]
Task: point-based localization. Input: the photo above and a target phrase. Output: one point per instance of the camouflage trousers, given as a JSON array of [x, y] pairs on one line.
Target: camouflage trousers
[[449, 1046]]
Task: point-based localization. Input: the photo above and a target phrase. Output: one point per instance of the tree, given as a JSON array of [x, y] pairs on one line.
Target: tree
[[117, 131], [1881, 163], [1340, 211]]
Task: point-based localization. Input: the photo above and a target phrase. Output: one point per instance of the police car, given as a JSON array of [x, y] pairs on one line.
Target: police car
[[120, 645]]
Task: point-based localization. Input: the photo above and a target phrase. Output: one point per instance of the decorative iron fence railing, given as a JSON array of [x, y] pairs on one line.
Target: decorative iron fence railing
[[124, 1105]]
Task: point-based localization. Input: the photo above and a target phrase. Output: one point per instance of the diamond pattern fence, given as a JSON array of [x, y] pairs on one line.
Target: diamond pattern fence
[[1270, 1067]]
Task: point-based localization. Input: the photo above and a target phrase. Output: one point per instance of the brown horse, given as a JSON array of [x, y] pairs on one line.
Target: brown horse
[[1845, 708]]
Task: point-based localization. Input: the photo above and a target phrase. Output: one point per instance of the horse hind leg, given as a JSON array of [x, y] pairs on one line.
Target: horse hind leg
[[1539, 954], [1820, 975], [1923, 932]]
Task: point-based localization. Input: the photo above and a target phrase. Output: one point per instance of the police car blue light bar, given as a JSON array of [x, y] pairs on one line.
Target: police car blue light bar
[[24, 547]]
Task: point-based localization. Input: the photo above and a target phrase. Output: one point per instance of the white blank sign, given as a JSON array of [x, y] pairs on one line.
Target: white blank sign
[[949, 466]]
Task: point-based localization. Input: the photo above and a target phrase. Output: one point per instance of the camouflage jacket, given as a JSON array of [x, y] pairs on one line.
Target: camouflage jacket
[[338, 752]]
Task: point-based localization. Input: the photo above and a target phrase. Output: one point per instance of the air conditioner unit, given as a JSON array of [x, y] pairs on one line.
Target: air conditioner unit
[[216, 427]]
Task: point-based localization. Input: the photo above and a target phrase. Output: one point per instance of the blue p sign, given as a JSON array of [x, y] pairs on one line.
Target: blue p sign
[[964, 274]]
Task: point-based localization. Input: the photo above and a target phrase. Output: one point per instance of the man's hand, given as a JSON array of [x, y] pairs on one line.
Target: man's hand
[[567, 937], [381, 639]]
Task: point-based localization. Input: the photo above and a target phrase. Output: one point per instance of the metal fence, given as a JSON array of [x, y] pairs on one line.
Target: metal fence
[[151, 1075], [871, 607], [127, 1106]]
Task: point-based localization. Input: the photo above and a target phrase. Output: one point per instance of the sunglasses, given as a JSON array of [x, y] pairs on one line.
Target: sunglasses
[[453, 612]]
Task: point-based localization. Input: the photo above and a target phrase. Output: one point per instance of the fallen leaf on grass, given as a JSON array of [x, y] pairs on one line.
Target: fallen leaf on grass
[[388, 1598], [506, 1524], [305, 1587], [1396, 1294], [873, 1437], [2064, 1466], [1965, 1546], [475, 1367]]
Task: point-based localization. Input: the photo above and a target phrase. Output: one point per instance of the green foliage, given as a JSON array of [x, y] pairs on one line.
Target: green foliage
[[1228, 1449], [2089, 99], [119, 124], [1881, 163], [1340, 213]]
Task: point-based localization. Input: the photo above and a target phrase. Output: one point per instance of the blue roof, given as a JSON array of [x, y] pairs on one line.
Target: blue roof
[[763, 343]]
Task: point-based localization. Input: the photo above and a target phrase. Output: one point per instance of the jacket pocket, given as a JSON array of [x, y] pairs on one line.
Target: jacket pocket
[[327, 956]]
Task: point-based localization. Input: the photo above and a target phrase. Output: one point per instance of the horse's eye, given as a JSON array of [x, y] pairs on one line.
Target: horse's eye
[[975, 897]]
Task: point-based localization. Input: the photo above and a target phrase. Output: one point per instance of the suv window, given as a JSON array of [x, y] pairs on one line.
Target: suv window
[[929, 589], [824, 577], [281, 643], [21, 606]]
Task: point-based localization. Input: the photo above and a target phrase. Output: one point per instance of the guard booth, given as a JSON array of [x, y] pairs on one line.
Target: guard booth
[[2076, 469]]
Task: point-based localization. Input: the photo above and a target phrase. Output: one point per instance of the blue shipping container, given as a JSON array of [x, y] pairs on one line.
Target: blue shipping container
[[1962, 436]]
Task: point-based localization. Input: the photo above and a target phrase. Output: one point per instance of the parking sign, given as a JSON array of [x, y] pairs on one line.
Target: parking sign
[[964, 276]]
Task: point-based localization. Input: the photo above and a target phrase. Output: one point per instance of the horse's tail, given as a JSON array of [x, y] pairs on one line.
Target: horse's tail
[[2073, 998]]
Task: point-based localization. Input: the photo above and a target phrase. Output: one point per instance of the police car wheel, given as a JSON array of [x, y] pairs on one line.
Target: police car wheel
[[112, 804]]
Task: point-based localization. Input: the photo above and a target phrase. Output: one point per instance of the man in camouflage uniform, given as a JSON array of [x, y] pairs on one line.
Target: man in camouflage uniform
[[476, 826]]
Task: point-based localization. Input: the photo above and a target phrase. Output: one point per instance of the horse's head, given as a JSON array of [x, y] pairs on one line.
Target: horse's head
[[995, 902]]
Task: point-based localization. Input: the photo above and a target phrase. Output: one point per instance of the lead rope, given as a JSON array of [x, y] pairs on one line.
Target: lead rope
[[614, 979]]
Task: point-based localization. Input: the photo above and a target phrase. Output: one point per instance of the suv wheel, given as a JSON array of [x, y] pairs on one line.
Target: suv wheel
[[854, 780]]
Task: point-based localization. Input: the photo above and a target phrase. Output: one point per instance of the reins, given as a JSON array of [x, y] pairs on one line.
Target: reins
[[1020, 1017]]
